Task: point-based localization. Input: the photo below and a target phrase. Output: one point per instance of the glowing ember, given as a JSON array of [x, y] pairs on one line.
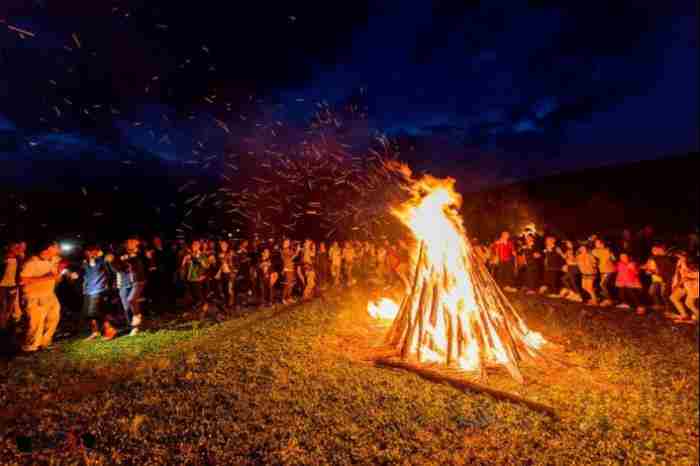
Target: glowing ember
[[453, 313], [384, 309]]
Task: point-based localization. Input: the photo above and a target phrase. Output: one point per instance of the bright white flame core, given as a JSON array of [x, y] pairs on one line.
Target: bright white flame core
[[385, 309]]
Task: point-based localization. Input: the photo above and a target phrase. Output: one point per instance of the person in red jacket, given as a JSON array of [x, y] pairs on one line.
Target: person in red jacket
[[504, 254]]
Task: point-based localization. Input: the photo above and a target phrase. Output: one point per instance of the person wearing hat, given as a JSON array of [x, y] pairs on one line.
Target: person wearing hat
[[38, 280]]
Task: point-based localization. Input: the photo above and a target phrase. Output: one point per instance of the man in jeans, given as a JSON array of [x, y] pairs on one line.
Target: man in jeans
[[96, 277], [131, 280], [38, 280]]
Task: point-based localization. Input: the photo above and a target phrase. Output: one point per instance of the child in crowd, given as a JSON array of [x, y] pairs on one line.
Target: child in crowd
[[628, 285]]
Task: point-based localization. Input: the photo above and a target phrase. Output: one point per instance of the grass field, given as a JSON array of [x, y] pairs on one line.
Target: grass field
[[293, 386]]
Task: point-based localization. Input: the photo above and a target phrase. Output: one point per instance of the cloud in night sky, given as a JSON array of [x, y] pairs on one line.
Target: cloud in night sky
[[5, 123], [522, 89]]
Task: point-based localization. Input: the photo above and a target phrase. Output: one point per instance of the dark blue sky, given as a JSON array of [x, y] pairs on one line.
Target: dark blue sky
[[506, 89]]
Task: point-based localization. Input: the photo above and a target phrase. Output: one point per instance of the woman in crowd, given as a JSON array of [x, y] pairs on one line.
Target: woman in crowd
[[628, 285]]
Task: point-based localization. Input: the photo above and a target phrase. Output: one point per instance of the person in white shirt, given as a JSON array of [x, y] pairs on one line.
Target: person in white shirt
[[38, 280]]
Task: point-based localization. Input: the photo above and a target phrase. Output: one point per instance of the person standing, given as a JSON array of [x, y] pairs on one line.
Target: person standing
[[265, 278], [309, 275], [289, 256], [661, 266], [96, 280], [348, 263], [504, 251], [606, 268], [194, 268], [571, 289], [10, 266], [588, 268], [554, 263], [628, 284], [685, 285], [531, 268], [336, 258], [131, 281], [38, 278], [225, 274]]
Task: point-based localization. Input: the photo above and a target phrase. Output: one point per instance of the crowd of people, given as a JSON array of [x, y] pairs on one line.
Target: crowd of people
[[112, 287], [635, 271]]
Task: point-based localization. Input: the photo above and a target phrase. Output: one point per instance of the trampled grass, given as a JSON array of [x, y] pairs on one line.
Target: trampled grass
[[287, 386]]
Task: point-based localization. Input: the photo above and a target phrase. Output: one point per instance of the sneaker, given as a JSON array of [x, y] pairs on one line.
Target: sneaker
[[136, 320], [109, 333], [575, 298], [134, 332], [623, 306], [606, 303], [93, 336]]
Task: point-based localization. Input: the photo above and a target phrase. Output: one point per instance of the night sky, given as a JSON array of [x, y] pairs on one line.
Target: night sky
[[510, 90]]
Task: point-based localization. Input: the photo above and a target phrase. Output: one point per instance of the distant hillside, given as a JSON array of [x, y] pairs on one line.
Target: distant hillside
[[109, 192], [662, 192]]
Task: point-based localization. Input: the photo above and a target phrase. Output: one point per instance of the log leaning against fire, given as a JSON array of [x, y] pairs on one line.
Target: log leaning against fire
[[436, 374]]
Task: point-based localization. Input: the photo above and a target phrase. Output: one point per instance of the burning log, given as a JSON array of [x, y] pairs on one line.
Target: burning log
[[453, 312]]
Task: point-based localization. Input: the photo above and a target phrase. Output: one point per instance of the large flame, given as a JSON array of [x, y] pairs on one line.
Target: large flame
[[464, 318]]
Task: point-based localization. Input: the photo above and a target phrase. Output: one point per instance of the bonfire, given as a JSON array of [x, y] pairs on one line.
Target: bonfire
[[452, 312]]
